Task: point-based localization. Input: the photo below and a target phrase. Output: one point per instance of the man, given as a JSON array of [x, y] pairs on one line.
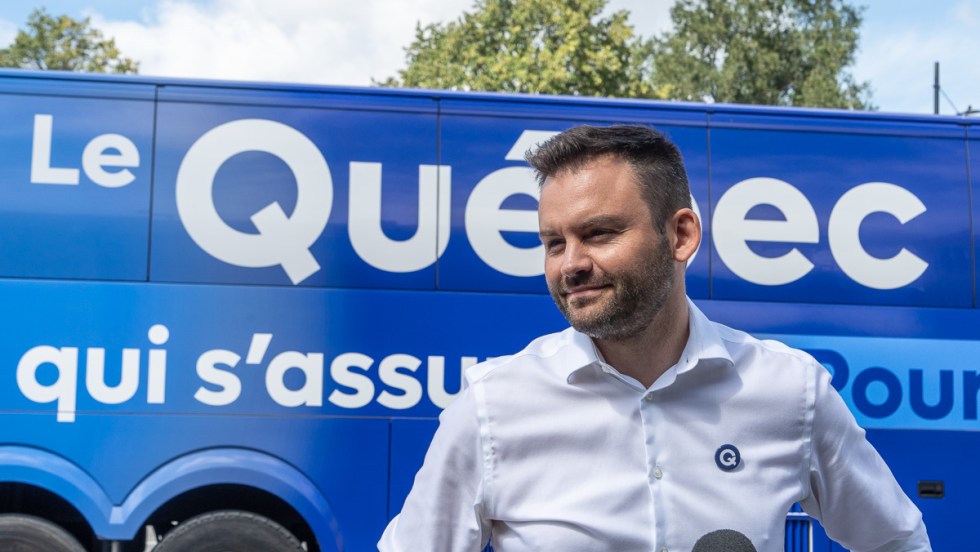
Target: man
[[644, 426]]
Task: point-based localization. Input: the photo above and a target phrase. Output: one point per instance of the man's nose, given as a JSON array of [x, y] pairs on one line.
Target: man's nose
[[576, 261]]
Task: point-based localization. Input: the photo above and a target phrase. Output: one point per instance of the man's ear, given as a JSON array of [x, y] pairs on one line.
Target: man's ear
[[685, 230]]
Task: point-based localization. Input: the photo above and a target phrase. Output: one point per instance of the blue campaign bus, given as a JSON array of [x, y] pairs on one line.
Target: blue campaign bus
[[233, 311]]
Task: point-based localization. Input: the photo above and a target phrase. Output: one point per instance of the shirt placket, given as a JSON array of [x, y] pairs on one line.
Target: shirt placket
[[657, 472]]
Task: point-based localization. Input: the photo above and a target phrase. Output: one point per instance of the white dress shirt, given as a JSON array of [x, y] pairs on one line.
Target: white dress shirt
[[552, 449]]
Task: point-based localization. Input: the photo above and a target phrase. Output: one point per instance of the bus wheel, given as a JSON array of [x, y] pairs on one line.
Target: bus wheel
[[228, 530], [24, 533]]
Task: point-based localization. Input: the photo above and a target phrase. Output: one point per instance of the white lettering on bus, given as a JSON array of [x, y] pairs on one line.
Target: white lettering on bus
[[732, 231], [281, 239], [364, 219], [63, 389], [286, 240], [396, 384], [105, 150]]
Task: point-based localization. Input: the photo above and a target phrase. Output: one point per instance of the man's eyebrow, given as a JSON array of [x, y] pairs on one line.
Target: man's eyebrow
[[603, 220], [614, 221]]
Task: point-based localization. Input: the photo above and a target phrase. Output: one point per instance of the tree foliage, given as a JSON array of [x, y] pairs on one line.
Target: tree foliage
[[776, 52], [66, 44], [546, 46]]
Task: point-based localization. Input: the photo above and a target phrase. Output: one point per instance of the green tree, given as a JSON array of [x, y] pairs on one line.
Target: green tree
[[776, 52], [65, 44], [538, 46]]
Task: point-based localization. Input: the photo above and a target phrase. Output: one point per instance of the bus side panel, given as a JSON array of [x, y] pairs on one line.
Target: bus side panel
[[75, 175], [121, 379], [298, 195], [838, 214], [926, 458]]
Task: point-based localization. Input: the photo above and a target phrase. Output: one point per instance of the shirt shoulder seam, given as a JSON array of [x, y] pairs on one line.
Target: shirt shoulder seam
[[487, 449]]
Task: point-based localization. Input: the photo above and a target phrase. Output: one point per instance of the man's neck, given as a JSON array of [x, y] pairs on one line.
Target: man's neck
[[646, 356]]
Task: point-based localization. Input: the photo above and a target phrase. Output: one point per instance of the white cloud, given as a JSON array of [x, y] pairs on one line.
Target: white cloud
[[311, 41]]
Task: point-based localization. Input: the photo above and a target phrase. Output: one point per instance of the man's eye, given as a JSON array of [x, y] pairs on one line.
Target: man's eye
[[552, 245]]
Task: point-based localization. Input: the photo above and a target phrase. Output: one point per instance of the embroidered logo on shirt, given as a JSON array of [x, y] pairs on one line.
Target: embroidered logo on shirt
[[727, 457]]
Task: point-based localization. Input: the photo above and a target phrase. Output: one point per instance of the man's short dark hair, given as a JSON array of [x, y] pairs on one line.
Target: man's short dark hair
[[655, 160]]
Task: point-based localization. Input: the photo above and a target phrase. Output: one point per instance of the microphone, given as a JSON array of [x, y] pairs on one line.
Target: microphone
[[724, 540]]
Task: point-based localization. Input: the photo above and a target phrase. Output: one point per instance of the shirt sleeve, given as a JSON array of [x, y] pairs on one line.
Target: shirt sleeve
[[852, 491], [444, 511]]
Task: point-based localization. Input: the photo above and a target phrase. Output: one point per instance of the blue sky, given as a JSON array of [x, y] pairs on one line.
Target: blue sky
[[349, 43]]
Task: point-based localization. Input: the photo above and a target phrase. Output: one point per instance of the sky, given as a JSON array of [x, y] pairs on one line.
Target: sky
[[340, 42]]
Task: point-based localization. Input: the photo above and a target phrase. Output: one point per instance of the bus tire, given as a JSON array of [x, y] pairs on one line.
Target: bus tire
[[23, 533], [229, 531]]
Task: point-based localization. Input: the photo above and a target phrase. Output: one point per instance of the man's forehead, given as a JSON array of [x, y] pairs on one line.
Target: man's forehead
[[582, 200]]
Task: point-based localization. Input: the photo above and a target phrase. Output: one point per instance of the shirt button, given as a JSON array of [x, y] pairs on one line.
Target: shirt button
[[648, 397], [663, 549], [658, 473]]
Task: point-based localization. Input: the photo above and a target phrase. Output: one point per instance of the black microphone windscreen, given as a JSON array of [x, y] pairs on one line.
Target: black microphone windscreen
[[724, 540]]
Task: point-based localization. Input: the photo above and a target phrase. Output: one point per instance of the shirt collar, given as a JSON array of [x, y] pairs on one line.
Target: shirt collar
[[703, 344], [710, 345]]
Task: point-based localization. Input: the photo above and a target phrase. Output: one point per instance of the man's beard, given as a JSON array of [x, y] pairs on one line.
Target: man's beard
[[638, 295]]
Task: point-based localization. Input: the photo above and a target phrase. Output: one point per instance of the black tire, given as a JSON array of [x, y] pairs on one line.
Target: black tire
[[23, 533], [229, 531]]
